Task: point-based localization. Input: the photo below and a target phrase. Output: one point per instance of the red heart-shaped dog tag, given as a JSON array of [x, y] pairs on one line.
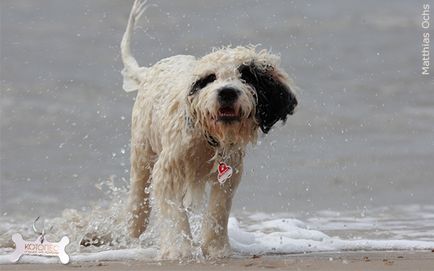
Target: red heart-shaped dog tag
[[222, 168], [225, 172]]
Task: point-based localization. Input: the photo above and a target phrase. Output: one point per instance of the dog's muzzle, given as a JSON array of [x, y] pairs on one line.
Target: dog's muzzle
[[228, 111]]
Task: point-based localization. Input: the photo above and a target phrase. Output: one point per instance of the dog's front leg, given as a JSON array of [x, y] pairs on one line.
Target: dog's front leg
[[175, 235], [215, 240]]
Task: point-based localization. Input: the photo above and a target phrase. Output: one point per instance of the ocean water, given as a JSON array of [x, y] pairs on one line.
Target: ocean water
[[350, 170]]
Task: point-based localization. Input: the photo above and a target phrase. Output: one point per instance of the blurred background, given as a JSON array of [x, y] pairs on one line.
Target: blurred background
[[363, 135]]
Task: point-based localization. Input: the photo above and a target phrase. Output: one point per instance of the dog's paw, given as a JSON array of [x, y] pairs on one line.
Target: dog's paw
[[216, 251], [95, 239], [183, 251]]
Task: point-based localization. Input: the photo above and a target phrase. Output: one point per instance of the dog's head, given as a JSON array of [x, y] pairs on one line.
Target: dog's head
[[235, 91]]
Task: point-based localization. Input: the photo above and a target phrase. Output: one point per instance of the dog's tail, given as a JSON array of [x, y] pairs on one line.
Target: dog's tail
[[133, 74]]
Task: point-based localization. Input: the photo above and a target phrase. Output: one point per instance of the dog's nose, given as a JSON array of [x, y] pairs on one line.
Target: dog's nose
[[228, 95]]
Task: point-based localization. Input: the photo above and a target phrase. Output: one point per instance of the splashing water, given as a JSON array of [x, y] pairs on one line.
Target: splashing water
[[105, 226]]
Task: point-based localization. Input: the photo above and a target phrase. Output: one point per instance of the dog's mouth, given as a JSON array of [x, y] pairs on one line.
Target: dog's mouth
[[228, 114]]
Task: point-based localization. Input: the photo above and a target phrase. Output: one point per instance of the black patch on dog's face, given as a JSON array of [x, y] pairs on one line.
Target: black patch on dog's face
[[201, 83], [275, 99]]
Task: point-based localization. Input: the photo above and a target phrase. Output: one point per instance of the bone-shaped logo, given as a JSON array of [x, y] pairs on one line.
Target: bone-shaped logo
[[39, 247]]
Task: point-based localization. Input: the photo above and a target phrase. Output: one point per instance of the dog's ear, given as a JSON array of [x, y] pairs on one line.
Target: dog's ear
[[275, 100]]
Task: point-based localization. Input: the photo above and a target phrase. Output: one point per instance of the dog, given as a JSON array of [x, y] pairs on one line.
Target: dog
[[191, 122]]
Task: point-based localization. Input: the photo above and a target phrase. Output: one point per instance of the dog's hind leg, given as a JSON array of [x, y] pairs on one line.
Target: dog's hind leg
[[139, 205]]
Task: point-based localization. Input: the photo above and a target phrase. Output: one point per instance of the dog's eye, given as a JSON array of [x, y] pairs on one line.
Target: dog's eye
[[203, 82], [248, 74]]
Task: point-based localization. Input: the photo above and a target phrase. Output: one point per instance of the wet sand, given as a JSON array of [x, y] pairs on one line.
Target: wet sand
[[397, 260]]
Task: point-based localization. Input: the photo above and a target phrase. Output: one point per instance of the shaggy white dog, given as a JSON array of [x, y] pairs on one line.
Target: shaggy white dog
[[191, 122]]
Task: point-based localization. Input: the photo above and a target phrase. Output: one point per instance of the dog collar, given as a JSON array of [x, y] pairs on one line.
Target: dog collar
[[212, 141]]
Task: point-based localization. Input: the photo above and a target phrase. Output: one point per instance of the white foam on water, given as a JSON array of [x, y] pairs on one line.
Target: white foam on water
[[286, 236]]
